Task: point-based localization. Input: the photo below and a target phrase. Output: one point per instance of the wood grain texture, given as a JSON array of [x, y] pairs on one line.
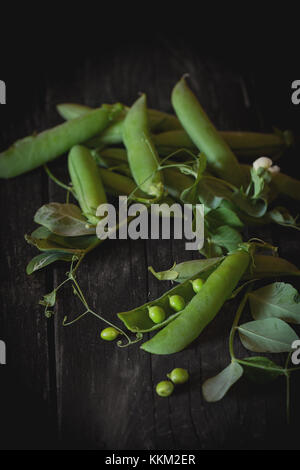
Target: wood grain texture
[[88, 394]]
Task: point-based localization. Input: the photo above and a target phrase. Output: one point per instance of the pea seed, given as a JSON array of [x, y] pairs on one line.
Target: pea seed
[[179, 376], [157, 314], [109, 334], [177, 302], [197, 285], [164, 388]]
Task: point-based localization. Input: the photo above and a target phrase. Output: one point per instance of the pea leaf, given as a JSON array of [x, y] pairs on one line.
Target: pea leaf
[[44, 259], [280, 300], [48, 245], [223, 216], [261, 369], [271, 266], [253, 207], [49, 299], [215, 388], [259, 179], [226, 237], [269, 335], [76, 243], [63, 219], [212, 191], [280, 215]]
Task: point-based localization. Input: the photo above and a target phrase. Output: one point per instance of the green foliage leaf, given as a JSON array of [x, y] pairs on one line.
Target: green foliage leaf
[[271, 266], [280, 300], [215, 388], [212, 191], [43, 239], [223, 216], [252, 207], [49, 299], [44, 259], [226, 237], [63, 219], [259, 178], [280, 215], [261, 369], [269, 335]]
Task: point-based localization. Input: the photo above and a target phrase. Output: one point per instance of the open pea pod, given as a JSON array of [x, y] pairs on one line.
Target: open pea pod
[[202, 307], [264, 266], [186, 270], [138, 320]]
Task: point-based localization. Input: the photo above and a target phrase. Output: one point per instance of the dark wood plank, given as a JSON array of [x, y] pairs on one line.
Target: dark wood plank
[[26, 404], [94, 394]]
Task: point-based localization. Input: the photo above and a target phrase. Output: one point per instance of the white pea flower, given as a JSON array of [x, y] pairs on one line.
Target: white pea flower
[[262, 162], [274, 169], [267, 163]]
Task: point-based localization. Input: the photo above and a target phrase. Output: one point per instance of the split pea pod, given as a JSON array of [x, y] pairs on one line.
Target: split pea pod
[[138, 319], [242, 143], [204, 134], [202, 308], [34, 151], [142, 156], [86, 180], [264, 266]]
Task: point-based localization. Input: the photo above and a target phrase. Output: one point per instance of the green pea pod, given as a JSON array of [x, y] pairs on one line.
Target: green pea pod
[[142, 156], [34, 151], [243, 144], [138, 320], [117, 184], [202, 308], [176, 182], [113, 134], [87, 183], [204, 134], [110, 157], [287, 185], [256, 144], [70, 111], [270, 266]]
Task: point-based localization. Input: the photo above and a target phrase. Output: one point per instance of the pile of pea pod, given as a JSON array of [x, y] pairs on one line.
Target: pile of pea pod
[[153, 157]]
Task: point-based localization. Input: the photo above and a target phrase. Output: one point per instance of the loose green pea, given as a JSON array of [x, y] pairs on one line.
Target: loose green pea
[[177, 302], [109, 334], [197, 285], [178, 375], [164, 388], [157, 314]]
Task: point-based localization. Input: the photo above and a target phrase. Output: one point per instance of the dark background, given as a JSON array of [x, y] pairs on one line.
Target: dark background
[[64, 388]]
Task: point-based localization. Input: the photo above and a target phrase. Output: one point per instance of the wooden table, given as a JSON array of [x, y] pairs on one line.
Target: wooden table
[[64, 388]]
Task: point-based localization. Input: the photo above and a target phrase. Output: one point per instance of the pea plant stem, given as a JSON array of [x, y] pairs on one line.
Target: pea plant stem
[[236, 322], [81, 296]]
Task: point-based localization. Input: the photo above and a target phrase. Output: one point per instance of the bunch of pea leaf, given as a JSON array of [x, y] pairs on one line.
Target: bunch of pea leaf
[[151, 156]]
